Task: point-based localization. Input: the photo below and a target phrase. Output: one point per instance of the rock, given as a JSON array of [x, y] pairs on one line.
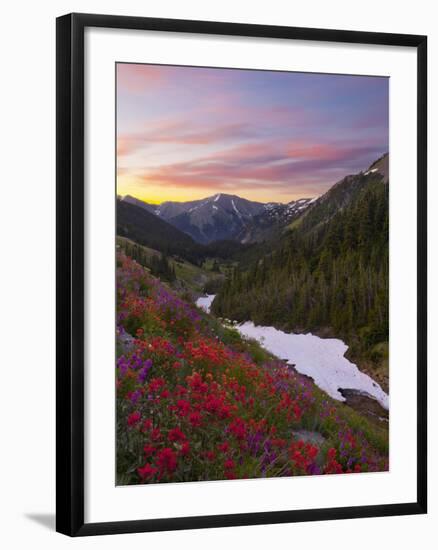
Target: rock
[[315, 438]]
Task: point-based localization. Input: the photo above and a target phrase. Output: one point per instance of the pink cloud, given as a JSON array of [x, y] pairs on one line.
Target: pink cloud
[[180, 132], [267, 163], [136, 78]]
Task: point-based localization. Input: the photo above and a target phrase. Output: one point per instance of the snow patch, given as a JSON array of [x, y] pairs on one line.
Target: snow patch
[[204, 302], [215, 207], [217, 197], [235, 209], [370, 171], [320, 358]]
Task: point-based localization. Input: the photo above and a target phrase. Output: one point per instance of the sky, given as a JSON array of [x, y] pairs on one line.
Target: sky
[[185, 133]]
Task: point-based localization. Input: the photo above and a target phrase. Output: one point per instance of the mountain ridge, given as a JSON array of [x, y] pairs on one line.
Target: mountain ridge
[[328, 274], [224, 216]]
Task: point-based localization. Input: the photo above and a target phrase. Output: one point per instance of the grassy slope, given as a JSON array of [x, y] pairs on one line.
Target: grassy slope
[[311, 228], [334, 421], [189, 276]]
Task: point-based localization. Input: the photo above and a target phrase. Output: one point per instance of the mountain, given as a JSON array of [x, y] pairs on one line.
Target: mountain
[[328, 273], [214, 218], [381, 166], [339, 197], [137, 202], [272, 220], [225, 217], [137, 223]]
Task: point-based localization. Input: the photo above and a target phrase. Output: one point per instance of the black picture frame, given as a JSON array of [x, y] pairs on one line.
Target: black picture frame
[[70, 273]]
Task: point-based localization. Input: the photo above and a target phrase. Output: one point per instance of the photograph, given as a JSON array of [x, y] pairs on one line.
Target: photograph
[[252, 271]]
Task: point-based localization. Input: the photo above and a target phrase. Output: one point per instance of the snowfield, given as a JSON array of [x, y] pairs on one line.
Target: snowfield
[[205, 302], [322, 359]]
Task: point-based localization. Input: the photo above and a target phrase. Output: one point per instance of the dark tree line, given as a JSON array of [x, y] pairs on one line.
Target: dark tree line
[[158, 264], [147, 229]]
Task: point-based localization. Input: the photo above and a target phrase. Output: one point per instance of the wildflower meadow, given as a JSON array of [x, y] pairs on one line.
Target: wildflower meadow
[[196, 402]]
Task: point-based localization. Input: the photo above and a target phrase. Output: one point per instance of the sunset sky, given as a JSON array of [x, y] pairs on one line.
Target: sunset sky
[[186, 133]]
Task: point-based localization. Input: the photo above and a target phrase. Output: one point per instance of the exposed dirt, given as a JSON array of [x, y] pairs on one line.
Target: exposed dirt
[[362, 403], [377, 373], [365, 405]]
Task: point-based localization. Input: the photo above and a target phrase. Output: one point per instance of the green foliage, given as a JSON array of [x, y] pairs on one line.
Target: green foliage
[[147, 229], [213, 286], [157, 263], [330, 272]]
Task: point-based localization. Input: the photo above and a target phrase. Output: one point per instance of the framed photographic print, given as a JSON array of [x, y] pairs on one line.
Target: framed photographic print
[[241, 274]]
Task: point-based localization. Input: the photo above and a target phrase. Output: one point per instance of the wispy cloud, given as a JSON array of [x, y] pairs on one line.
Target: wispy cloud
[[275, 165], [182, 133], [200, 130]]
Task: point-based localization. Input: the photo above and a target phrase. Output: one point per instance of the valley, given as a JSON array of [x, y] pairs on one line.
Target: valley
[[252, 269], [196, 401], [302, 310], [225, 217], [324, 272], [321, 359]]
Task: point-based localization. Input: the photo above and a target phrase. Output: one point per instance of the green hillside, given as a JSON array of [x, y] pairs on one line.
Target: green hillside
[[147, 229], [181, 274], [329, 274]]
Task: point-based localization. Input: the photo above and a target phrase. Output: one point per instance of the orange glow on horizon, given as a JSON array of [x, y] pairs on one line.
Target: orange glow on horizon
[[157, 194], [264, 136]]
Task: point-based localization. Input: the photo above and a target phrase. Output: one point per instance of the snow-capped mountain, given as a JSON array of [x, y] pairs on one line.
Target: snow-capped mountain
[[212, 219], [273, 219], [223, 217], [137, 202]]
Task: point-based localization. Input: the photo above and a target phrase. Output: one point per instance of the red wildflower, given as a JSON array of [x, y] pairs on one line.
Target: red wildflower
[[297, 412], [167, 461], [147, 471], [331, 453], [149, 450], [176, 435], [155, 434], [195, 419], [229, 469], [303, 455], [196, 383], [237, 427], [134, 418], [183, 407], [155, 384], [223, 447], [147, 425], [185, 449], [333, 466]]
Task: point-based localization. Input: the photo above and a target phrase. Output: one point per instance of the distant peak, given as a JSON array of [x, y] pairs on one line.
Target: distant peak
[[381, 165]]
